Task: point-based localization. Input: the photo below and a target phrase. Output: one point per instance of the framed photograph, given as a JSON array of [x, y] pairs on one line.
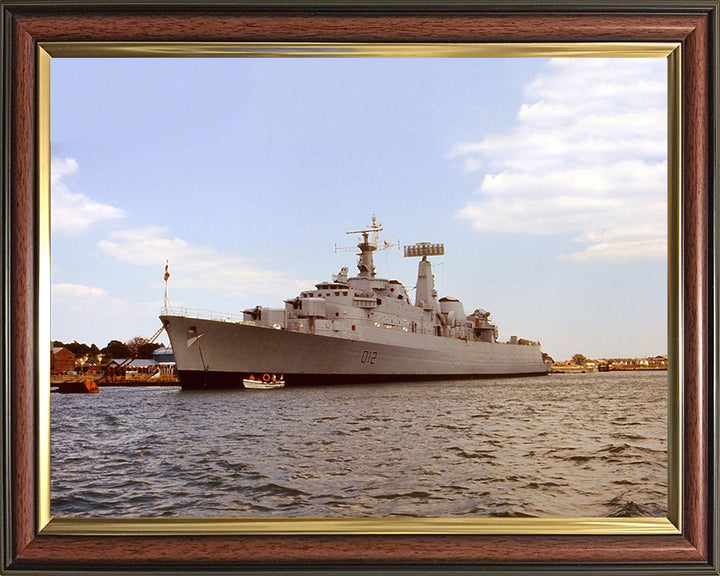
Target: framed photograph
[[340, 50]]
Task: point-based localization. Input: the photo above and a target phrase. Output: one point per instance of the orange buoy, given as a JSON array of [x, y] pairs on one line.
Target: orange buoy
[[266, 377]]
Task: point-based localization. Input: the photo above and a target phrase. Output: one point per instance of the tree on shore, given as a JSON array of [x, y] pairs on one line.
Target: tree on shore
[[579, 359], [116, 349], [80, 350], [137, 347], [141, 348]]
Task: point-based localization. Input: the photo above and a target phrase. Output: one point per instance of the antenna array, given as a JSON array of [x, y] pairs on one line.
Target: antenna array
[[424, 249]]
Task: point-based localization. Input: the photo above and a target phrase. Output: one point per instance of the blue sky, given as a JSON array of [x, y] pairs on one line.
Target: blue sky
[[544, 178]]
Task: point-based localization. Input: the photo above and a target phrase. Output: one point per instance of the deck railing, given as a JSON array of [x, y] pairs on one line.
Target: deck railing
[[201, 314]]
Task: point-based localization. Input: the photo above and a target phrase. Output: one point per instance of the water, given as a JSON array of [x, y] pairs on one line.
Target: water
[[563, 445]]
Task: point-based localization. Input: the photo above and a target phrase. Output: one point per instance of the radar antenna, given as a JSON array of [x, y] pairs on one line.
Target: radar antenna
[[424, 249], [425, 295]]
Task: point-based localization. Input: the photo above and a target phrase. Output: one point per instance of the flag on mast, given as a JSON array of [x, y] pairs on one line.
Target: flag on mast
[[167, 275]]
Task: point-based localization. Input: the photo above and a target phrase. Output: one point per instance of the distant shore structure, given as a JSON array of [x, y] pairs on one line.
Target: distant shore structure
[[66, 367], [612, 365]]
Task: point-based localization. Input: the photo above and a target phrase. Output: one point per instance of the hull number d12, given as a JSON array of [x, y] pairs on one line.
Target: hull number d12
[[368, 357]]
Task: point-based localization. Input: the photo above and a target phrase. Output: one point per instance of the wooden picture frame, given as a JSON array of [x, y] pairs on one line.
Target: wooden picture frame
[[30, 547]]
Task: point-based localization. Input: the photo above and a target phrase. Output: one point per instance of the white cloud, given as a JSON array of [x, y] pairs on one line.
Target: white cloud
[[92, 314], [70, 302], [587, 155], [72, 213], [193, 266], [621, 251], [73, 291]]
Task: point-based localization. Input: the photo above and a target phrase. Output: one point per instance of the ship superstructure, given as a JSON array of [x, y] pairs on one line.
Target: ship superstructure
[[351, 329]]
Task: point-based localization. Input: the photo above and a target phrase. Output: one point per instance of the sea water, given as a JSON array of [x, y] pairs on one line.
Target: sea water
[[561, 445]]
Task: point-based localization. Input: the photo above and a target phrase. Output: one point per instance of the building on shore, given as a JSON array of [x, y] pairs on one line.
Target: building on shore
[[612, 365], [61, 360], [165, 361], [122, 367]]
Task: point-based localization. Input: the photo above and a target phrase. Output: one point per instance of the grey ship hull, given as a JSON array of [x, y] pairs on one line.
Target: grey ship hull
[[218, 354]]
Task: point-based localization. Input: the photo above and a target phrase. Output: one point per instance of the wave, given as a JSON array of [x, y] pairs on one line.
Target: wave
[[273, 489], [418, 494], [622, 509], [481, 454]]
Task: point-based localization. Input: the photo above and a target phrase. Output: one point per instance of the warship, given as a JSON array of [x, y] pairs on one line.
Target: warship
[[359, 329]]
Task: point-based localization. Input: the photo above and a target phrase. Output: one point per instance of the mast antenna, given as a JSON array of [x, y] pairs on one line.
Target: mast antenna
[[166, 277], [367, 246], [375, 227]]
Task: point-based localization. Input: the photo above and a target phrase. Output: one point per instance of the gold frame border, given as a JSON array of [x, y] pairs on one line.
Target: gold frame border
[[357, 50], [355, 526], [349, 526]]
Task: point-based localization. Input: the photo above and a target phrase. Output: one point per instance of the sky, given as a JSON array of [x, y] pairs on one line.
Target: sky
[[544, 178]]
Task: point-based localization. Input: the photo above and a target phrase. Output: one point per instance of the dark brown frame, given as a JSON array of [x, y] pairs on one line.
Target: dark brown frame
[[26, 23]]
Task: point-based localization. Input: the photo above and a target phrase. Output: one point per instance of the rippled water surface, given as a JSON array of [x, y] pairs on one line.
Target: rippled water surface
[[562, 445]]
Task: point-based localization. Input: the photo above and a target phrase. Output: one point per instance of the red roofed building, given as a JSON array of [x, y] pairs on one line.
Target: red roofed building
[[61, 360]]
